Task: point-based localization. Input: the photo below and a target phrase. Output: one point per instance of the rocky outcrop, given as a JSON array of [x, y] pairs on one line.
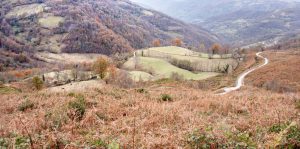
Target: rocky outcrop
[[67, 76]]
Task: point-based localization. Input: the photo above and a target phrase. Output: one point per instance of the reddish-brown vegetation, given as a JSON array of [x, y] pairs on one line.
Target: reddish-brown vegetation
[[101, 66], [216, 48], [143, 120], [281, 75], [156, 43], [177, 42], [89, 26]]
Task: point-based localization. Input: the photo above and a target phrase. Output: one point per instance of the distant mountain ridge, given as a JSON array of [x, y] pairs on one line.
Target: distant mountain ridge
[[239, 22]]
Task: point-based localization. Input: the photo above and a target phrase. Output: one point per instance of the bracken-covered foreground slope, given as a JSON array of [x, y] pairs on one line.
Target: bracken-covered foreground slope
[[169, 116], [87, 26]]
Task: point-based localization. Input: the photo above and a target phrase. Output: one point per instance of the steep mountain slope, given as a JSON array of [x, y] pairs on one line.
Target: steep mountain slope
[[240, 22], [200, 10], [88, 26], [250, 26]]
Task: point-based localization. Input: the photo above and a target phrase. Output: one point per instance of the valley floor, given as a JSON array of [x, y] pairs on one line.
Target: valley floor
[[158, 115]]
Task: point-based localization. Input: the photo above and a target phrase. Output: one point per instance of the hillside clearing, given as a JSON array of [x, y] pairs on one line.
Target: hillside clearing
[[51, 21], [163, 69], [66, 58], [25, 10], [171, 51], [201, 62]]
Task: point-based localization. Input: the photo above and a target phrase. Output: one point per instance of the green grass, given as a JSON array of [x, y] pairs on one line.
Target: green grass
[[163, 69], [200, 61], [51, 21], [174, 50], [25, 10], [179, 51], [8, 90]]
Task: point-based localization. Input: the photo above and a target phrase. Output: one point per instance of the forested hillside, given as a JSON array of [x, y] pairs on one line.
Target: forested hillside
[[88, 26]]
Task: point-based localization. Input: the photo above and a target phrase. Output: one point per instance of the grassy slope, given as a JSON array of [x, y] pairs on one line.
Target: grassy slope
[[25, 10], [51, 21], [140, 75], [173, 50], [200, 61], [8, 90], [164, 69]]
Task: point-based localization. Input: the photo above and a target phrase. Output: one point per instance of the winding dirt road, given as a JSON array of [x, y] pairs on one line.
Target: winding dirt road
[[241, 78]]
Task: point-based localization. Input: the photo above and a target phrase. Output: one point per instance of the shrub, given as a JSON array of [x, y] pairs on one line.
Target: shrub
[[101, 67], [120, 58], [239, 140], [99, 143], [277, 86], [198, 139], [141, 90], [156, 43], [78, 108], [27, 104], [203, 85], [216, 48], [71, 94], [56, 118], [276, 128], [1, 83], [113, 145], [166, 97], [1, 67], [21, 58], [244, 140], [298, 105], [3, 78], [37, 83], [184, 64], [102, 116], [291, 138], [21, 142], [3, 143], [122, 79], [8, 90], [177, 42], [176, 77]]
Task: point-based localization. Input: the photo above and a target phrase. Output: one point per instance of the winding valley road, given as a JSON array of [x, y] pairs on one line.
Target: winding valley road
[[241, 78]]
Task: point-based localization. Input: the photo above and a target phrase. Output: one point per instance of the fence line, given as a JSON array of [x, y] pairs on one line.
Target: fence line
[[150, 53]]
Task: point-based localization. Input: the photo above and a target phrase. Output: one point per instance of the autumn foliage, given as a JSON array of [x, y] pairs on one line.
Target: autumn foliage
[[156, 43], [101, 67], [177, 42], [216, 48]]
